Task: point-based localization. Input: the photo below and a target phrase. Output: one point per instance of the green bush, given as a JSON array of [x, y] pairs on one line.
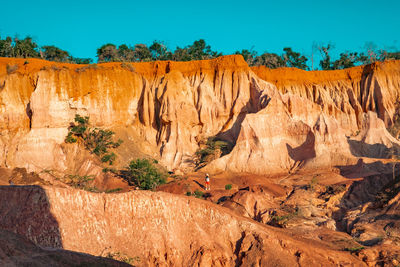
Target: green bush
[[313, 183], [228, 187], [97, 141], [113, 190], [144, 174], [210, 148], [128, 66], [198, 194], [78, 181], [354, 249]]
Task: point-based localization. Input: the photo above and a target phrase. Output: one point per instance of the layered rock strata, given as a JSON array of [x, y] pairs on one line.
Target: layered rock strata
[[279, 120], [157, 229]]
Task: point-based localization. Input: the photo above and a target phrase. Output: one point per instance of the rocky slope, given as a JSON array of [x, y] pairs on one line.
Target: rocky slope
[[156, 229], [164, 109], [288, 129], [17, 251]]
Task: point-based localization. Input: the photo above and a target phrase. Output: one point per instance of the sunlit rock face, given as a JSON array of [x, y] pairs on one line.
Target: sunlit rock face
[[154, 228], [279, 120]]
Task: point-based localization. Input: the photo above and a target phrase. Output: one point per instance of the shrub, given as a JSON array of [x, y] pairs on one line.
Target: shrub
[[78, 181], [313, 183], [211, 148], [354, 249], [11, 68], [128, 66], [113, 190], [282, 220], [97, 141], [228, 187], [188, 193], [88, 67], [198, 194], [144, 174]]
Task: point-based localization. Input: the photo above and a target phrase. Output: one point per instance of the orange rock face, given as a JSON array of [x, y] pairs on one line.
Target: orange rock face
[[154, 228], [279, 120], [347, 92]]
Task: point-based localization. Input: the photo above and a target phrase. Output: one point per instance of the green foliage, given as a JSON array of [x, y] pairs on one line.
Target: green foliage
[[128, 66], [124, 258], [88, 67], [294, 59], [282, 220], [97, 141], [11, 68], [270, 60], [325, 63], [115, 190], [79, 181], [7, 47], [188, 193], [125, 53], [110, 158], [112, 170], [198, 50], [313, 183], [52, 53], [228, 187], [144, 174], [107, 53], [354, 249], [212, 146], [142, 53], [25, 47], [346, 60], [248, 55], [159, 51], [78, 60], [198, 194]]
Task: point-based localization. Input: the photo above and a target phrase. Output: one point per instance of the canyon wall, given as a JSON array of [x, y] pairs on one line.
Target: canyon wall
[[343, 93], [164, 109], [157, 229]]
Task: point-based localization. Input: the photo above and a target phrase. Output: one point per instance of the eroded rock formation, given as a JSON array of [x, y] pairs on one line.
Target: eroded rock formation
[[157, 228], [169, 107]]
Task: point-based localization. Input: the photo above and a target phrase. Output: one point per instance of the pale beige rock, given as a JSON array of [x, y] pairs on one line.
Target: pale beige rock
[[169, 107], [159, 228]]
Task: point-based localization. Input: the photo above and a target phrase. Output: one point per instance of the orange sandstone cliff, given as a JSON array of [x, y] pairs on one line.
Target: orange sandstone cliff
[[157, 229], [279, 120]]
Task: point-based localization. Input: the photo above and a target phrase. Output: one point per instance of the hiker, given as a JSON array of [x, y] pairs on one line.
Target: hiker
[[208, 182]]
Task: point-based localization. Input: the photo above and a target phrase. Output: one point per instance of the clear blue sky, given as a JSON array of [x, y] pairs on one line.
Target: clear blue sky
[[80, 27]]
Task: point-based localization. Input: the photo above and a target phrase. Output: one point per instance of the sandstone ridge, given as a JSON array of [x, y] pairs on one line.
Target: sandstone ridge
[[167, 108], [148, 226]]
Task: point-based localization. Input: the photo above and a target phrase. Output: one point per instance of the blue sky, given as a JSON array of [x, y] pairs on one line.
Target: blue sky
[[80, 27]]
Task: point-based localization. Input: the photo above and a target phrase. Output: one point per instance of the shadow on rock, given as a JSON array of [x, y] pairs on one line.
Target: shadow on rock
[[27, 213], [362, 169], [302, 153], [379, 151]]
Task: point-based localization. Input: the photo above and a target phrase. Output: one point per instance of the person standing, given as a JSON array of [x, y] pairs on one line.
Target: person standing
[[208, 187]]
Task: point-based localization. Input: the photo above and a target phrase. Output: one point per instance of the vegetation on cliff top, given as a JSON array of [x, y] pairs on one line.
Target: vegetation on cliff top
[[198, 50]]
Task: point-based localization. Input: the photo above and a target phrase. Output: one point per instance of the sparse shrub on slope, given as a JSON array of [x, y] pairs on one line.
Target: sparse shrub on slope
[[11, 68], [97, 141], [228, 186], [212, 149], [144, 174]]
